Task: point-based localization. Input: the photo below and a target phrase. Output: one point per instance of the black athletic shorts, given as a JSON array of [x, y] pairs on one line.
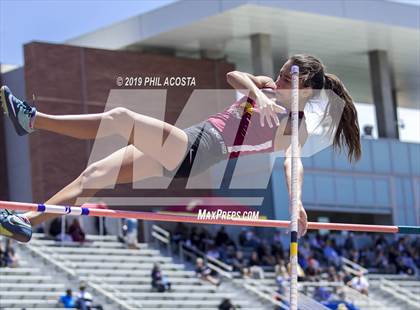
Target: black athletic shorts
[[205, 148]]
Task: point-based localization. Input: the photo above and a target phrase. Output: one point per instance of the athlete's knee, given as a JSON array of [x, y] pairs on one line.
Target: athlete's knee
[[89, 175], [171, 163]]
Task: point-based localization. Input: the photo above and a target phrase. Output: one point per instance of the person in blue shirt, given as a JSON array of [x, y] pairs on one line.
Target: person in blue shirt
[[130, 233], [67, 299]]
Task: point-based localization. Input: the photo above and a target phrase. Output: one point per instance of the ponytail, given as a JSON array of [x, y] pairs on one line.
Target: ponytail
[[344, 119]]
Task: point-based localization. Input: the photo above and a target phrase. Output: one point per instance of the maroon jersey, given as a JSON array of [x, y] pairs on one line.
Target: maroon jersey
[[239, 126]]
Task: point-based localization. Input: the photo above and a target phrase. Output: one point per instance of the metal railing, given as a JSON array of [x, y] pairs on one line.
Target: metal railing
[[214, 264], [266, 296], [400, 293], [161, 235], [50, 260], [74, 275], [264, 292], [350, 293], [305, 286], [110, 296], [352, 267]]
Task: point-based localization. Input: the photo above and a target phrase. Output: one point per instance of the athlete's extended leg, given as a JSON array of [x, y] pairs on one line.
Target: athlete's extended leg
[[165, 143], [100, 175], [95, 177]]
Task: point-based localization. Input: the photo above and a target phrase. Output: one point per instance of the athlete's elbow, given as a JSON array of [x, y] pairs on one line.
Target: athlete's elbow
[[233, 75]]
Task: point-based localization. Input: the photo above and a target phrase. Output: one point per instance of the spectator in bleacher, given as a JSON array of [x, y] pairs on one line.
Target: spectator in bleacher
[[277, 246], [322, 294], [313, 270], [305, 250], [254, 266], [316, 242], [2, 256], [213, 252], [84, 300], [251, 240], [199, 238], [381, 262], [221, 237], [406, 263], [55, 227], [226, 304], [402, 244], [331, 254], [354, 256], [205, 239], [333, 275], [10, 257], [204, 272], [227, 252], [416, 253], [159, 281], [130, 232], [379, 240], [100, 225], [264, 253], [239, 262], [349, 242], [282, 277], [242, 237], [247, 238], [76, 232], [55, 230], [359, 283], [277, 238], [180, 233], [67, 300]]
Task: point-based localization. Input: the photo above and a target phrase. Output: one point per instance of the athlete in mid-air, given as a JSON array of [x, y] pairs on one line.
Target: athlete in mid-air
[[253, 124]]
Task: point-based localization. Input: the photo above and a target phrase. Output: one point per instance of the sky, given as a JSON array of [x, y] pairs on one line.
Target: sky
[[414, 2], [55, 21], [22, 21]]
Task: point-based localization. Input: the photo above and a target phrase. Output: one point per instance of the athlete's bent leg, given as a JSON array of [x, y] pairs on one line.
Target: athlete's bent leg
[[101, 174], [155, 138]]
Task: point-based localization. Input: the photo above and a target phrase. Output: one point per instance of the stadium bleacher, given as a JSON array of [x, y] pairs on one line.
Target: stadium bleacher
[[120, 275], [398, 291], [120, 279], [28, 287]]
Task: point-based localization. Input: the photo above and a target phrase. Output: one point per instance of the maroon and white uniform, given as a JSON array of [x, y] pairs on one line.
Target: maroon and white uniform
[[229, 134], [240, 128]]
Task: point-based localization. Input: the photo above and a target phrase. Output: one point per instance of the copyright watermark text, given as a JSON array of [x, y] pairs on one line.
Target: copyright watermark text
[[155, 81]]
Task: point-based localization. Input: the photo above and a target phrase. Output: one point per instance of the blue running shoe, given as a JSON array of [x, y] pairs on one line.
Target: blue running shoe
[[15, 226], [21, 114]]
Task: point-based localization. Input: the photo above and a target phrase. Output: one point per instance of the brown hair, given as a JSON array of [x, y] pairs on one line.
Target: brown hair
[[344, 118]]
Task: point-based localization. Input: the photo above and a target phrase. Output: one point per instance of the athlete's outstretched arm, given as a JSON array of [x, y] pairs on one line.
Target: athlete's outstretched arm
[[251, 85], [243, 80], [302, 217]]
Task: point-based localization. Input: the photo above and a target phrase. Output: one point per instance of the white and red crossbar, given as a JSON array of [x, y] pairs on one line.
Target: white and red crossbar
[[98, 210]]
